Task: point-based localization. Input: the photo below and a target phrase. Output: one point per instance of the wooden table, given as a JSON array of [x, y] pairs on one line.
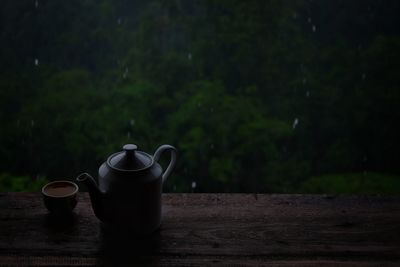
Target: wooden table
[[211, 229]]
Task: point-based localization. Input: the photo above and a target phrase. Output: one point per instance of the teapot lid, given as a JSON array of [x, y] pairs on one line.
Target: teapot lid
[[130, 159]]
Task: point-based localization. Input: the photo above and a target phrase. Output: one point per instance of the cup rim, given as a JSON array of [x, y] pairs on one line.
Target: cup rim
[[60, 181]]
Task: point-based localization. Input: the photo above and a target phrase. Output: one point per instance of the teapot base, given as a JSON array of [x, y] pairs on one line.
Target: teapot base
[[127, 231]]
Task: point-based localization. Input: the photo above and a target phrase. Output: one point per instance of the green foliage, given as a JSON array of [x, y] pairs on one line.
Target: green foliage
[[223, 81], [225, 137], [365, 183], [9, 183]]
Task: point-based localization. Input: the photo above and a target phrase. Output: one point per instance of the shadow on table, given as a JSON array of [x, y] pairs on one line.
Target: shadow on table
[[125, 248], [115, 248], [62, 223]]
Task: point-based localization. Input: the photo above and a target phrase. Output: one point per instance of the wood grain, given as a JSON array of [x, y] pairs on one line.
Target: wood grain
[[211, 229]]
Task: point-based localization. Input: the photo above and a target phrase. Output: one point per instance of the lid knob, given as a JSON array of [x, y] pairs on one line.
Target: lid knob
[[129, 148]]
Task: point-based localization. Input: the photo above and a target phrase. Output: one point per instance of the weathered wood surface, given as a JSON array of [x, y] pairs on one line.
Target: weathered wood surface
[[211, 229]]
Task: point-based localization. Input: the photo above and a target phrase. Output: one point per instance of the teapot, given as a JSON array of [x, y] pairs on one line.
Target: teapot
[[127, 195]]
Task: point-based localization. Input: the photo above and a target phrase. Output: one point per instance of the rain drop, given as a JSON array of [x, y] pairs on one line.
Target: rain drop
[[294, 15], [36, 62], [364, 76], [211, 110], [314, 28], [295, 123], [308, 93], [129, 135], [32, 123], [194, 185], [125, 73], [132, 122], [212, 146], [304, 80], [190, 56], [119, 21], [309, 20], [36, 4]]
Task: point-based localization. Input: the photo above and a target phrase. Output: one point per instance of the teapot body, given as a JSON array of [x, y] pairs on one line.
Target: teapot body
[[132, 200], [127, 195]]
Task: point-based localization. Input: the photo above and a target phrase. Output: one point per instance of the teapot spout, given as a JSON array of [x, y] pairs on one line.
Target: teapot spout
[[96, 196]]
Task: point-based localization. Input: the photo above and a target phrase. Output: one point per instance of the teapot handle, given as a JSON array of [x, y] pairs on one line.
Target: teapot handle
[[171, 165]]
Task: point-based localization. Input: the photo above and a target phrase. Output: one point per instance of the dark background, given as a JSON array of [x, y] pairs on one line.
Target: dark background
[[258, 96]]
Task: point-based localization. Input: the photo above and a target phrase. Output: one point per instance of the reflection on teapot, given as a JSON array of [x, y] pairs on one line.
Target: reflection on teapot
[[128, 192]]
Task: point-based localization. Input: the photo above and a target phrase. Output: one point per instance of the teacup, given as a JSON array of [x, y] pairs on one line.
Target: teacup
[[60, 196]]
